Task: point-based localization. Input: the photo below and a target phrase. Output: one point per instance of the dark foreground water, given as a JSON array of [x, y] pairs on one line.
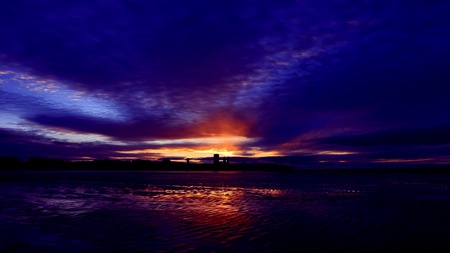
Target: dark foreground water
[[224, 212]]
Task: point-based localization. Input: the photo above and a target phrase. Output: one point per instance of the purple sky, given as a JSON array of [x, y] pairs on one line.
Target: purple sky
[[341, 81]]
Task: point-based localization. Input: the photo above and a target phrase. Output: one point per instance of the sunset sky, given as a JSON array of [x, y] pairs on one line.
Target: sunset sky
[[358, 82]]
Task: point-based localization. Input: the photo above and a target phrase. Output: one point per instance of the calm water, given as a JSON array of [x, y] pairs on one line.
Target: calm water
[[224, 212]]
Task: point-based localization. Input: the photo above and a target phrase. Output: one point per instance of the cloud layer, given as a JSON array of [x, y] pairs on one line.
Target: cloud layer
[[314, 78]]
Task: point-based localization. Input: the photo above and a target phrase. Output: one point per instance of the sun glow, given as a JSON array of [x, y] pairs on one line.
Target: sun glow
[[198, 148], [192, 148], [178, 152]]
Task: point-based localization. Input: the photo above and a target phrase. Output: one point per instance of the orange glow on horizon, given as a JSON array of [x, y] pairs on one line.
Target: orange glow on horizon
[[201, 147], [178, 152]]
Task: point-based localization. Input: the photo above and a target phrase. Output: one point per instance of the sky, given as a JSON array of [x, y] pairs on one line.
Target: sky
[[296, 82]]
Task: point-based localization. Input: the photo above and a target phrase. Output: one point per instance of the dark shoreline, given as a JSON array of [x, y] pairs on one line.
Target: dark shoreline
[[237, 167], [44, 164], [136, 165]]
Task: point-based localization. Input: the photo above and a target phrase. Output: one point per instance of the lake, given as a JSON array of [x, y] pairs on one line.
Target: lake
[[209, 211]]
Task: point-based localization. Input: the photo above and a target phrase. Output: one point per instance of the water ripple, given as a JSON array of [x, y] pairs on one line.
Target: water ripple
[[223, 212]]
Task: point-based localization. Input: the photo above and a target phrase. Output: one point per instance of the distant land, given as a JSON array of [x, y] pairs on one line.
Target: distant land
[[12, 163], [42, 164]]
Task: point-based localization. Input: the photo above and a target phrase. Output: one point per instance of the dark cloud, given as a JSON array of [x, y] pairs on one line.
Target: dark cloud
[[437, 153], [437, 135], [98, 43], [26, 144], [146, 128]]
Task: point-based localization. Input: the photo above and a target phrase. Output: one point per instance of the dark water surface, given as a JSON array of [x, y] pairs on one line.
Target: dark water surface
[[224, 212]]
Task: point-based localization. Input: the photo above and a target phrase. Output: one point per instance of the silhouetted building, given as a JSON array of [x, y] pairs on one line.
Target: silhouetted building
[[216, 159], [188, 160], [226, 160]]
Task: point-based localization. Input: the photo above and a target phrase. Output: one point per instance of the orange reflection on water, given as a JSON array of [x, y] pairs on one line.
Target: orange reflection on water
[[220, 213]]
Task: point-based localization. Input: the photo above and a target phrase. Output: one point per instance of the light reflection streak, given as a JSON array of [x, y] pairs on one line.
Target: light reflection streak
[[204, 197], [225, 209]]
